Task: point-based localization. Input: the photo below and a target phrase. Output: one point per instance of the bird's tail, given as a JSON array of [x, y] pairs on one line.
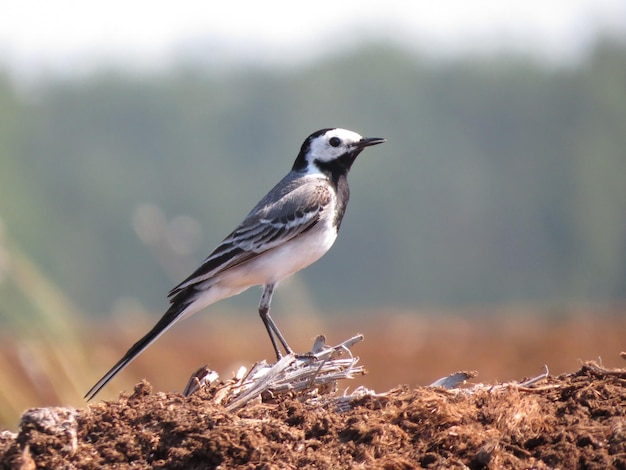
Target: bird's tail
[[173, 314]]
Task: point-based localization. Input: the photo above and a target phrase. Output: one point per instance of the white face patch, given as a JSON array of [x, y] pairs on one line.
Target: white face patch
[[332, 145]]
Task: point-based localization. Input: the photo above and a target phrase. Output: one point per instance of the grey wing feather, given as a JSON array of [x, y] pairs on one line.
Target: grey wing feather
[[296, 209]]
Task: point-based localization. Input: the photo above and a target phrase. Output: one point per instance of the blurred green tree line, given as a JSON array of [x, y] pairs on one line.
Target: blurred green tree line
[[503, 179]]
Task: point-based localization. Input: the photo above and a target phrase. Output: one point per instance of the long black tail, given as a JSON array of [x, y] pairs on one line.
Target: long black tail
[[167, 320]]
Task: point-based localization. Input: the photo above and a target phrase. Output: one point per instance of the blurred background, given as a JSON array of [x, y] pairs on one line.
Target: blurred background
[[488, 233]]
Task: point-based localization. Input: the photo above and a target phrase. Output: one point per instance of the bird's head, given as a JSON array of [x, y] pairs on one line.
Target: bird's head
[[332, 147]]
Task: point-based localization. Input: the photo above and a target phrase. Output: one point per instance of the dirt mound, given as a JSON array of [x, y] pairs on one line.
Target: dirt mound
[[571, 421]]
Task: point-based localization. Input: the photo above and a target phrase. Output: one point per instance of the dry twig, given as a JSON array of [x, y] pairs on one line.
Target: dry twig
[[311, 374]]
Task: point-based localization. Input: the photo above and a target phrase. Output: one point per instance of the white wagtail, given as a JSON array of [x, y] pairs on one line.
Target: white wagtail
[[290, 228]]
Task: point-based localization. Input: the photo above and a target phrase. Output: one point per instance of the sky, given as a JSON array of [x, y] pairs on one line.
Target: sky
[[76, 35]]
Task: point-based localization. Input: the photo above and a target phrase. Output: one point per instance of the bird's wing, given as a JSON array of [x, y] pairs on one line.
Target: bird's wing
[[269, 225]]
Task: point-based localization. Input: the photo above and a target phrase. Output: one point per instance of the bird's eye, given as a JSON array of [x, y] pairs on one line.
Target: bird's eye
[[334, 141]]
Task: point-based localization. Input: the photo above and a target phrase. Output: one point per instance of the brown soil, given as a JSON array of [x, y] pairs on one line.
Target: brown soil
[[571, 421]]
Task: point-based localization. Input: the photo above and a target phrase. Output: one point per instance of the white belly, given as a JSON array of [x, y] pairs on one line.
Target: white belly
[[277, 264], [268, 268]]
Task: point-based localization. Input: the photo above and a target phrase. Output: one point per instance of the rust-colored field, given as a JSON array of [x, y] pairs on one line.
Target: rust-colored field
[[412, 348]]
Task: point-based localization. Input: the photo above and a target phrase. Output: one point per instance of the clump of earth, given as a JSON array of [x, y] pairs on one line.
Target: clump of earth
[[575, 420]]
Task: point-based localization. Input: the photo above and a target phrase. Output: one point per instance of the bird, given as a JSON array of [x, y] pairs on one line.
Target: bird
[[290, 228]]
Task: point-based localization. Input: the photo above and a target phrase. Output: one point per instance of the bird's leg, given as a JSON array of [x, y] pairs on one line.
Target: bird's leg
[[272, 329]]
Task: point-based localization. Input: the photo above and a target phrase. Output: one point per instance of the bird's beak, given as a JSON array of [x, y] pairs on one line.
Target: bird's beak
[[369, 141]]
